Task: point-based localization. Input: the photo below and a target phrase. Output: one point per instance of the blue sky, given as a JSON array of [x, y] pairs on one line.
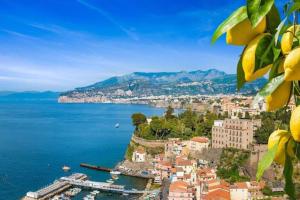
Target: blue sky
[[62, 44]]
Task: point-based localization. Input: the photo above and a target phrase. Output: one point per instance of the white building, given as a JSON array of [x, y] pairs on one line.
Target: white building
[[139, 155], [198, 143], [239, 191]]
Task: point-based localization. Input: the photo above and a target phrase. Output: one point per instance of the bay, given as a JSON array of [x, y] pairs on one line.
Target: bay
[[38, 137]]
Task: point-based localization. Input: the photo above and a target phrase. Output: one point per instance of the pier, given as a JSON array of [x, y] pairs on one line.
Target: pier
[[78, 180], [56, 188], [105, 169]]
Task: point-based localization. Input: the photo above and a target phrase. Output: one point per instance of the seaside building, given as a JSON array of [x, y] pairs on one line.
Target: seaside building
[[180, 190], [139, 155], [236, 133]]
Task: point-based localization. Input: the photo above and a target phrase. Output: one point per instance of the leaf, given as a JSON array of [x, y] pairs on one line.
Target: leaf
[[274, 70], [289, 187], [240, 74], [273, 19], [298, 150], [279, 29], [235, 18], [258, 9], [269, 88], [263, 53], [295, 6], [266, 161]]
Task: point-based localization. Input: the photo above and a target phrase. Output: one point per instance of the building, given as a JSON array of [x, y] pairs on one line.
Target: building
[[236, 133], [180, 190], [173, 147], [198, 143], [139, 155], [239, 191]]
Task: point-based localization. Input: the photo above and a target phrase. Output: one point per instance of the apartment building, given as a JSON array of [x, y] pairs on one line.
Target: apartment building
[[236, 133]]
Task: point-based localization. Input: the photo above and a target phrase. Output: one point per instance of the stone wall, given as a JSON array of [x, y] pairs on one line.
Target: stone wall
[[148, 143]]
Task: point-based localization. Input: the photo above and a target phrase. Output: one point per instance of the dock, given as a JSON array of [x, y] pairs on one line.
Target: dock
[[99, 168], [105, 169], [53, 189], [79, 180]]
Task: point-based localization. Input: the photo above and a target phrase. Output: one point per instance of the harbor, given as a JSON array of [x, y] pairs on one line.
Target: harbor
[[67, 187]]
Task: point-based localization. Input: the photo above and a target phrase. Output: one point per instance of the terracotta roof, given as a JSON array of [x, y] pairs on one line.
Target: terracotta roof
[[200, 139], [219, 194], [179, 169], [165, 163], [179, 186], [239, 185]]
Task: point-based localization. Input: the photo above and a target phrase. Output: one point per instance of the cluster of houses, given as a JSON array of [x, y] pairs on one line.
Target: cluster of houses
[[192, 179]]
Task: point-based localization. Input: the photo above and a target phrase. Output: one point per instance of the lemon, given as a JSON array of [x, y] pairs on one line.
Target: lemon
[[288, 38], [279, 97], [248, 60], [295, 124], [243, 33], [283, 137], [292, 65]]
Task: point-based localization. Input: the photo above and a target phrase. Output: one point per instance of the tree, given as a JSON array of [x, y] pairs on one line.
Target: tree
[[169, 113], [138, 119], [247, 115]]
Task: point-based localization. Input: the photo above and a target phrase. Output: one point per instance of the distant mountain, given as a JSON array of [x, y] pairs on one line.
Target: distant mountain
[[28, 95], [142, 84]]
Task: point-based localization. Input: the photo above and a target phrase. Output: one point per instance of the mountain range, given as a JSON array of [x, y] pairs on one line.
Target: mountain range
[[143, 84]]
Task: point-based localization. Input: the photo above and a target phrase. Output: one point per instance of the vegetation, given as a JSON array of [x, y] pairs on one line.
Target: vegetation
[[271, 45], [270, 122], [268, 192], [185, 125], [230, 164]]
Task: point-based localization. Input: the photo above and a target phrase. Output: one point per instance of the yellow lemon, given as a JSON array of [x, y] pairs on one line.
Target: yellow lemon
[[282, 136], [248, 60], [279, 97], [288, 38], [295, 124], [292, 65], [243, 33]]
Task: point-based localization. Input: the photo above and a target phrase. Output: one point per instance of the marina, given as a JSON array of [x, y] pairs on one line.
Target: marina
[[67, 187]]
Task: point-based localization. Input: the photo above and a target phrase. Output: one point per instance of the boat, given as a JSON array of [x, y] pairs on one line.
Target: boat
[[66, 168], [117, 125], [110, 181], [115, 177], [115, 172]]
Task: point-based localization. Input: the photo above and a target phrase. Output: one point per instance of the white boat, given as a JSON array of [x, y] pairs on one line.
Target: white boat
[[115, 172], [66, 168], [110, 181], [117, 125]]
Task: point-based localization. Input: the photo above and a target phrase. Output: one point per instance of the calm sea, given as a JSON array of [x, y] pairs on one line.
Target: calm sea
[[38, 137]]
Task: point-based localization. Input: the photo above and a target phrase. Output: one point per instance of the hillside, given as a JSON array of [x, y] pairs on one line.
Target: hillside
[[141, 84]]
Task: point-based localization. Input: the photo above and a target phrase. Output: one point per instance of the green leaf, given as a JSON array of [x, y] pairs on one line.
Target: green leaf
[[263, 53], [274, 70], [240, 74], [289, 187], [295, 6], [266, 161], [236, 17], [298, 150], [269, 88], [273, 19], [258, 9], [279, 30]]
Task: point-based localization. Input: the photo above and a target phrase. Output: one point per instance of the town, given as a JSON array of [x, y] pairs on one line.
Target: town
[[219, 165]]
